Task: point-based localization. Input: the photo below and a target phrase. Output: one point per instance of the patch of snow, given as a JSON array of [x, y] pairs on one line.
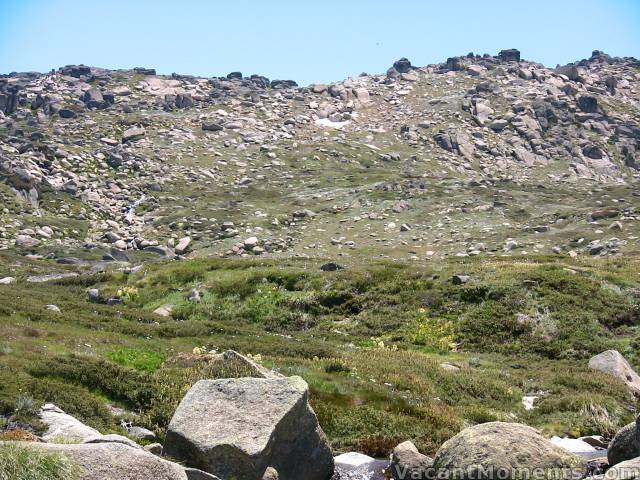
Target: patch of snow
[[325, 122], [528, 400], [573, 445]]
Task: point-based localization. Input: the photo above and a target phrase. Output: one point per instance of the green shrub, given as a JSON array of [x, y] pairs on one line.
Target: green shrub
[[25, 406], [139, 359], [117, 382]]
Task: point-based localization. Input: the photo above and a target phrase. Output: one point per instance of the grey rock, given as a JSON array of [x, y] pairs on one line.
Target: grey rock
[[504, 448], [63, 426], [627, 470], [183, 245], [140, 433], [196, 474], [408, 462], [588, 103], [26, 241], [155, 448], [67, 113], [193, 296], [460, 279], [164, 310], [183, 101], [402, 66], [112, 438], [625, 444], [212, 127], [133, 134], [613, 363], [116, 461], [239, 427], [331, 267], [271, 474], [509, 55], [93, 98], [145, 71]]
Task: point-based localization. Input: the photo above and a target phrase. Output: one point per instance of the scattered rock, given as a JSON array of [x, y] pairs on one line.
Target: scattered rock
[[133, 134], [331, 267], [183, 245], [408, 462], [460, 279], [25, 241], [164, 310], [140, 433]]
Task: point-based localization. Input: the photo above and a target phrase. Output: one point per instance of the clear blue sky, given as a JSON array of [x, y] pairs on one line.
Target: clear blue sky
[[308, 41]]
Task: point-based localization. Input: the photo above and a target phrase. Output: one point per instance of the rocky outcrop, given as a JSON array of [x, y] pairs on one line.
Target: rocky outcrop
[[613, 363], [23, 176], [503, 450], [237, 428]]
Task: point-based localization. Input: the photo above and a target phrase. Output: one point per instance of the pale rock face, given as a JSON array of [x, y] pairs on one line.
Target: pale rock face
[[64, 426]]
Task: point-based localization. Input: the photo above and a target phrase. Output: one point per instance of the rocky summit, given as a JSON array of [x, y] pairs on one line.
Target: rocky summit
[[429, 273]]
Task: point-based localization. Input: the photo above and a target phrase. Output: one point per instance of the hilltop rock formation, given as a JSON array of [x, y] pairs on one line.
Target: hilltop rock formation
[[119, 149]]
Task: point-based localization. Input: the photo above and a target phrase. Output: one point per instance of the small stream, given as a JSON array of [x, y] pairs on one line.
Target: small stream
[[131, 210]]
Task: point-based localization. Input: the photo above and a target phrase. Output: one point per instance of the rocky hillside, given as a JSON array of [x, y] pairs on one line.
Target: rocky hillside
[[477, 154], [413, 265]]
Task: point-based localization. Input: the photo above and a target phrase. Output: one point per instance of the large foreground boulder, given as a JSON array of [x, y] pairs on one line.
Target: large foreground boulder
[[237, 428], [116, 461], [625, 445], [613, 363], [504, 451]]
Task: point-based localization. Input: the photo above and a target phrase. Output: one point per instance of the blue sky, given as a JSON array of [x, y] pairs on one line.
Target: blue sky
[[307, 41]]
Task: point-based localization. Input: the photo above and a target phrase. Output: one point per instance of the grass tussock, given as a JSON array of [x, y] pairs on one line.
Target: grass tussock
[[23, 463]]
